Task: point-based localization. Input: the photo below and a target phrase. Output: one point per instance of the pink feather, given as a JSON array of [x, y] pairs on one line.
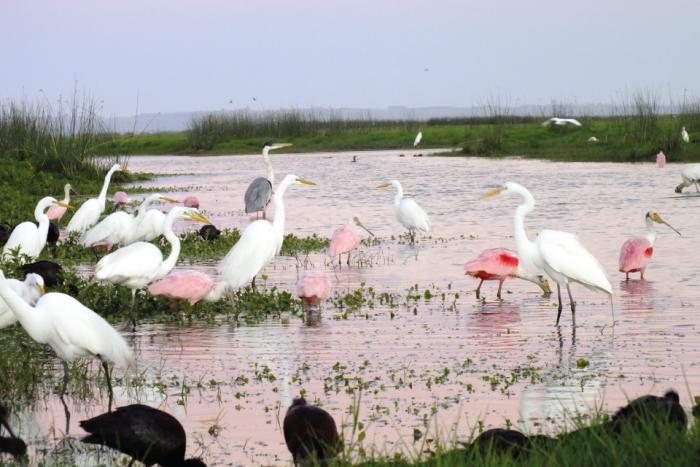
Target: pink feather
[[635, 255], [496, 263], [183, 285], [191, 202], [344, 239], [313, 287], [120, 197], [661, 159], [56, 212]]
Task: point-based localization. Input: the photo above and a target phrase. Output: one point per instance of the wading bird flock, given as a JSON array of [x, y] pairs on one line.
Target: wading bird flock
[[74, 331]]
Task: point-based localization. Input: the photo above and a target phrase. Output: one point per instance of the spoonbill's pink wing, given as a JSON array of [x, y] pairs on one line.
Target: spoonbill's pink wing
[[184, 285], [313, 284], [495, 262], [55, 212], [635, 254], [344, 239]]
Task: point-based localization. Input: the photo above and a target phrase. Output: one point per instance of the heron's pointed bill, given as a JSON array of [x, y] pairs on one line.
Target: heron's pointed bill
[[491, 193], [656, 218], [383, 185], [198, 217], [280, 145], [304, 181], [169, 200], [63, 205]]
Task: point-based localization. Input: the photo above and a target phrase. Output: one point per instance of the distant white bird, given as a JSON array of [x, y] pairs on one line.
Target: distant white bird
[[559, 254], [137, 265], [684, 135], [27, 236], [150, 223], [30, 290], [592, 139], [690, 176], [408, 212], [89, 213], [259, 243], [561, 121], [419, 137], [71, 329]]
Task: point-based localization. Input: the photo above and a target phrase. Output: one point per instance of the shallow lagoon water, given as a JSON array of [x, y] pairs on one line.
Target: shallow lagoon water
[[427, 367]]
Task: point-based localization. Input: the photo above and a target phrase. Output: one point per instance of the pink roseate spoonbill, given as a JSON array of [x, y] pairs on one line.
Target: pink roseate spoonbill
[[661, 159], [499, 264], [56, 212], [120, 198], [635, 253], [346, 238], [313, 288], [189, 285], [559, 254], [191, 202]]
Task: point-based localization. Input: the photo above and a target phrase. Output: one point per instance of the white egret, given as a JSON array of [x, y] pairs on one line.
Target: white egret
[[419, 137], [150, 223], [684, 135], [259, 243], [690, 176], [71, 329], [29, 290], [122, 228], [559, 254], [259, 192], [561, 121], [137, 265], [27, 236], [89, 212], [408, 212]]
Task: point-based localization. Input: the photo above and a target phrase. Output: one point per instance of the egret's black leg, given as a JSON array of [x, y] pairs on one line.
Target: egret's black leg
[[559, 307], [109, 384], [253, 282], [132, 313], [63, 391], [340, 260], [572, 302]]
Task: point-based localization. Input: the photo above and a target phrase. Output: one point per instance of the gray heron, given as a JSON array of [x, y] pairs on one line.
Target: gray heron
[[259, 192]]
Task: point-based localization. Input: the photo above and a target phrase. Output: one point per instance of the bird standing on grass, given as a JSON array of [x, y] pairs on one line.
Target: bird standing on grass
[[89, 212], [635, 253], [259, 192], [559, 254], [259, 243], [146, 434], [684, 135], [29, 238], [408, 212]]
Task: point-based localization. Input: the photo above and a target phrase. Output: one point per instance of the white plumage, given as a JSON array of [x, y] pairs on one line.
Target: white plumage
[[690, 176], [150, 226], [259, 243], [89, 212], [29, 290], [115, 229], [407, 211], [27, 236], [559, 254], [685, 136], [419, 137], [561, 121]]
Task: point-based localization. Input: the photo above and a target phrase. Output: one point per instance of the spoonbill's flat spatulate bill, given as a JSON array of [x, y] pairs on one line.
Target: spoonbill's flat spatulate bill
[[559, 254]]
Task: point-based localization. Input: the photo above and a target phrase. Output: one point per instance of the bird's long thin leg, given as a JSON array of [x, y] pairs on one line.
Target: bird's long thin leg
[[500, 285], [559, 298], [641, 274], [63, 391], [252, 283], [109, 384], [627, 276], [478, 289], [572, 302], [348, 262], [132, 314], [340, 259]]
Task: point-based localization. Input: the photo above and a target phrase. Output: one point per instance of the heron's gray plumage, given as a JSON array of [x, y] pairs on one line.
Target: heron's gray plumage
[[258, 194]]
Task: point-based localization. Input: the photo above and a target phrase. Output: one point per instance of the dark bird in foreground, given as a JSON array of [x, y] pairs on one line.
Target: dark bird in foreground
[[48, 270], [649, 409], [12, 445], [146, 434], [310, 433], [5, 232], [209, 232]]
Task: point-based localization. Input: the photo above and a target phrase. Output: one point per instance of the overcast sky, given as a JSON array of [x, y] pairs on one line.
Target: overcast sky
[[185, 55]]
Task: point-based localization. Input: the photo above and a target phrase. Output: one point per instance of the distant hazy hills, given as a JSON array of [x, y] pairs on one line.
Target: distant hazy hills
[[178, 121]]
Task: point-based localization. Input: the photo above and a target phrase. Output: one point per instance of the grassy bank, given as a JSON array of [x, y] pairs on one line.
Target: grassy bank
[[620, 139]]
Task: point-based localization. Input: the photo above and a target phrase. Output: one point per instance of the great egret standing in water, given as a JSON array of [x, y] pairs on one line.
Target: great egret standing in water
[[558, 253], [260, 241], [27, 236], [71, 329], [137, 265], [259, 192], [635, 253], [407, 211], [89, 212]]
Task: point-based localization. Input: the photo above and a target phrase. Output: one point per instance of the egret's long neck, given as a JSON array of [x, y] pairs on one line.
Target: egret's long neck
[[650, 233], [169, 263], [36, 325], [268, 166], [278, 223], [399, 195], [43, 221], [105, 186], [66, 195], [143, 207], [525, 246], [217, 292]]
